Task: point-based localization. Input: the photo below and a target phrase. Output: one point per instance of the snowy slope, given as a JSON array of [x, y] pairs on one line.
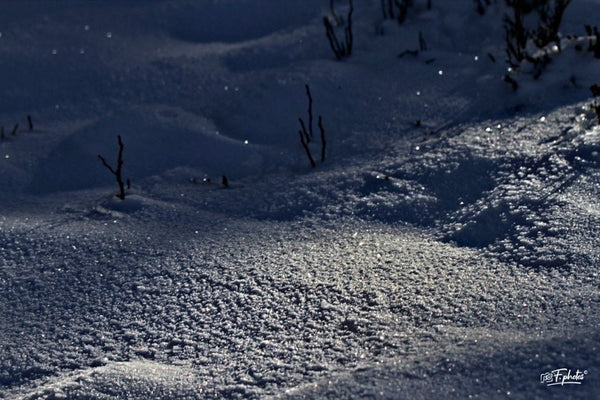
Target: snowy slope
[[446, 248]]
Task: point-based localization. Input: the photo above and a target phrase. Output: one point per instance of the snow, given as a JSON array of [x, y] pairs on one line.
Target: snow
[[447, 248]]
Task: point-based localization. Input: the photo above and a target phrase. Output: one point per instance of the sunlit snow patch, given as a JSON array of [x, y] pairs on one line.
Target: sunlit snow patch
[[134, 379]]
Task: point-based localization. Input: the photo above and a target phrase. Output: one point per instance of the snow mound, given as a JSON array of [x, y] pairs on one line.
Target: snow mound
[[115, 207], [232, 21], [155, 139], [133, 379]]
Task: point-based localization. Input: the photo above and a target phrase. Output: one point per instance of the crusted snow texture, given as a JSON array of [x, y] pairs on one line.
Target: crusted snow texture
[[448, 247]]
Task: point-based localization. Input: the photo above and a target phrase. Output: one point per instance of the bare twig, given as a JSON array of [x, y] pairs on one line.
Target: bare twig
[[384, 8], [397, 9], [306, 135], [596, 107], [408, 52], [402, 9], [515, 33], [348, 31], [308, 154], [508, 79], [337, 49], [594, 41], [323, 142], [338, 20], [595, 89], [310, 113], [304, 131], [341, 50], [117, 172], [422, 42], [551, 15]]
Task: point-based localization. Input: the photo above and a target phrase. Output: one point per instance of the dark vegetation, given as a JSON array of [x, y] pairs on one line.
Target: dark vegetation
[[515, 33], [481, 5], [595, 89], [338, 20], [398, 9], [415, 52], [341, 48], [547, 17], [307, 134], [594, 40], [551, 15], [15, 128], [118, 171], [395, 9]]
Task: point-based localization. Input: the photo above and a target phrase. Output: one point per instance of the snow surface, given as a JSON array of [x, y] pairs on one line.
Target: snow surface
[[452, 258]]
